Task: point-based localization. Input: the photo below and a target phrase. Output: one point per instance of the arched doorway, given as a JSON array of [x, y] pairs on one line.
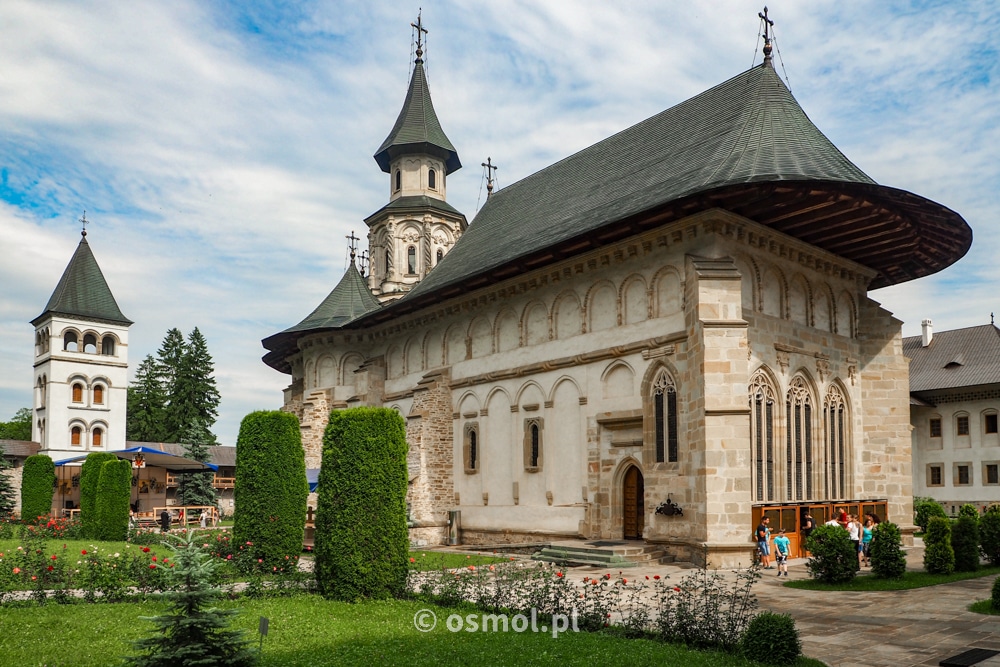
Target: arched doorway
[[633, 509]]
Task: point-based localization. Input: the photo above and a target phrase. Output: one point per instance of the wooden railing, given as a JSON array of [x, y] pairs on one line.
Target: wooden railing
[[217, 482]]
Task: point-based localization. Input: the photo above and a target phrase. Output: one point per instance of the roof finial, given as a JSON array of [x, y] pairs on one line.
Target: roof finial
[[352, 240], [83, 221], [991, 318], [489, 167], [421, 31], [767, 35]]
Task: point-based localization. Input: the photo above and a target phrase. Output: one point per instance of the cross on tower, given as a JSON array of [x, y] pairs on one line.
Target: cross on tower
[[768, 23], [421, 31], [352, 240], [83, 221], [490, 168]]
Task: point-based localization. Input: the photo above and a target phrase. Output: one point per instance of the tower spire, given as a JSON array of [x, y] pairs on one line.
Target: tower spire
[[83, 221], [489, 168], [768, 23], [421, 31]]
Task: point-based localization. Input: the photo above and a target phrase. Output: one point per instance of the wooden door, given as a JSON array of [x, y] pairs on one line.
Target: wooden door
[[632, 504]]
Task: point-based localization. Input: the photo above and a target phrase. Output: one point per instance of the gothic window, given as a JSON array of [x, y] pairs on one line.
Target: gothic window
[[835, 443], [798, 449], [388, 262], [762, 437], [75, 434], [77, 392], [90, 344], [97, 437], [665, 418], [432, 179], [108, 346], [399, 180], [440, 255], [98, 394], [411, 260], [70, 341], [533, 445], [470, 448]]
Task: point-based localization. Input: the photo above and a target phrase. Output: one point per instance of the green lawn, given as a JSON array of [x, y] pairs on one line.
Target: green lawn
[[310, 631], [436, 560], [867, 582], [74, 547], [984, 607]]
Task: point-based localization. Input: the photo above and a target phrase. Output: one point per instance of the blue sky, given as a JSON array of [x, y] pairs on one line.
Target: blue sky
[[223, 150]]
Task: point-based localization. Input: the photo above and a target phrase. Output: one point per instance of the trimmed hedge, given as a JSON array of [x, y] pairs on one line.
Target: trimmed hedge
[[114, 489], [939, 556], [989, 535], [924, 510], [90, 474], [969, 510], [271, 487], [771, 639], [833, 556], [362, 541], [888, 558], [965, 543], [38, 480]]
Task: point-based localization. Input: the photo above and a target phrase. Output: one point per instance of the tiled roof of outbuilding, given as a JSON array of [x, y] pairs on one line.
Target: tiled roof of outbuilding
[[967, 357]]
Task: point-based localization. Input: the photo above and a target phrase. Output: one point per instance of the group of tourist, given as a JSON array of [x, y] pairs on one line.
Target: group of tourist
[[860, 534]]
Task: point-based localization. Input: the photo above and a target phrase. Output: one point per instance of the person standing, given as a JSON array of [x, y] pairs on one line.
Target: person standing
[[866, 541], [782, 547], [763, 535], [854, 532], [164, 521], [808, 523]]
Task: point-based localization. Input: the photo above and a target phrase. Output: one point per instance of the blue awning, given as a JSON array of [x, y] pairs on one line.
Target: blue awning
[[312, 476], [155, 458]]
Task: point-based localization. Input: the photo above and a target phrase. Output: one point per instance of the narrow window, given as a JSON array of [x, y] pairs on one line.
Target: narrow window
[[990, 424], [432, 179], [411, 260], [963, 474], [70, 341], [90, 344], [388, 263], [77, 392], [762, 437], [962, 425], [74, 435], [108, 346], [98, 395], [935, 428], [992, 474], [665, 418], [533, 446], [798, 456], [440, 256], [935, 476], [470, 448], [97, 438], [399, 180]]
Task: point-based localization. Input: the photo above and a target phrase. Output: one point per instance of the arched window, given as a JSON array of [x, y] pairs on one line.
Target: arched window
[[440, 255], [399, 180], [98, 394], [108, 346], [90, 344], [411, 260], [533, 445], [762, 437], [665, 418], [798, 449], [77, 392], [835, 443], [471, 448], [388, 262], [432, 179], [97, 437], [75, 435], [70, 341]]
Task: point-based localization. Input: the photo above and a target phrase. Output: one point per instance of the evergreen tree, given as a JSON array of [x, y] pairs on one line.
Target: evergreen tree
[[8, 494], [169, 359], [146, 402], [193, 632], [196, 488], [195, 400]]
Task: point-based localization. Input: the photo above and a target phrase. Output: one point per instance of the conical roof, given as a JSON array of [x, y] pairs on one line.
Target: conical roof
[[349, 300], [417, 129], [82, 292]]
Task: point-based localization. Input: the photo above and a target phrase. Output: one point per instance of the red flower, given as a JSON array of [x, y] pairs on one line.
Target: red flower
[[413, 560], [54, 556], [656, 576], [84, 552], [145, 550], [152, 566], [154, 559], [17, 570], [678, 590], [229, 557], [607, 576], [34, 578], [624, 581], [559, 574], [51, 568], [260, 560], [647, 577]]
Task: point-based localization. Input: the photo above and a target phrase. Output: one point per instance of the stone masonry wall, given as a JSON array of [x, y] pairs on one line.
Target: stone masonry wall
[[429, 429]]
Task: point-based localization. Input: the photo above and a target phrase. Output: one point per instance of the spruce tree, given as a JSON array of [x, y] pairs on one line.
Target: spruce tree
[[193, 631], [196, 488], [169, 359], [146, 402]]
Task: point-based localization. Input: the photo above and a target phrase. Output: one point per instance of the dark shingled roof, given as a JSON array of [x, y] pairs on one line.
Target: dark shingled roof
[[960, 358], [349, 300], [417, 129], [417, 203], [19, 448], [83, 292]]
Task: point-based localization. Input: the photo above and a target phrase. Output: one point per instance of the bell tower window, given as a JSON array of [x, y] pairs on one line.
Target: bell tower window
[[411, 260], [77, 393], [74, 435], [399, 180], [432, 179], [108, 346], [70, 341], [440, 255], [98, 395], [97, 438]]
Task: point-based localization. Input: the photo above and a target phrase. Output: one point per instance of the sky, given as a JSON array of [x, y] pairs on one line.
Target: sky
[[223, 150]]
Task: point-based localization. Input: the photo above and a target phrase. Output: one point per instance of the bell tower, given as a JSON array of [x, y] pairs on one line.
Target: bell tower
[[408, 236]]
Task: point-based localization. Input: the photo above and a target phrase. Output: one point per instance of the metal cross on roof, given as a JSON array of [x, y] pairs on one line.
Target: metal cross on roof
[[490, 168], [768, 23], [83, 221], [352, 240], [421, 31]]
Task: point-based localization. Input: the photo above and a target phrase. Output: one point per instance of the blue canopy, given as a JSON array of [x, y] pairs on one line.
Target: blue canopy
[[312, 476], [155, 458]]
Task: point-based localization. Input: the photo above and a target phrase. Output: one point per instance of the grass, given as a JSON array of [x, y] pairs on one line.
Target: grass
[[76, 546], [312, 632], [910, 580], [984, 607], [425, 561]]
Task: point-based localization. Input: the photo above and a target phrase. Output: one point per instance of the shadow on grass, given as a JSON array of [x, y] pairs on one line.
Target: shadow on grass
[[910, 580]]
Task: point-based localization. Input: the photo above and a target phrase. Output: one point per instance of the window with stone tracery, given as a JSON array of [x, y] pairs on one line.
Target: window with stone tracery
[[470, 448], [835, 443], [665, 418], [762, 437], [533, 444], [411, 260], [798, 442]]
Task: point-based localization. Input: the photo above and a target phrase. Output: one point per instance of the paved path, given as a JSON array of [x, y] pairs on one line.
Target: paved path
[[877, 629]]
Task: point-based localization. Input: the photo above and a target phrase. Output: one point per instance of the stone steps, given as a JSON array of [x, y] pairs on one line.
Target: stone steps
[[603, 554]]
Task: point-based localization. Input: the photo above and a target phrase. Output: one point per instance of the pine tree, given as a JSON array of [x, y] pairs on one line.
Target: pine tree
[[169, 359], [193, 632], [197, 488], [146, 403]]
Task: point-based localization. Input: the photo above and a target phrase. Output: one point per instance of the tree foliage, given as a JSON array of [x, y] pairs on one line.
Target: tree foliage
[[194, 631], [888, 559], [114, 488], [271, 487], [196, 488], [18, 428], [965, 542], [969, 510], [361, 534], [924, 509], [90, 475], [38, 479], [939, 556], [833, 556], [989, 535], [146, 403]]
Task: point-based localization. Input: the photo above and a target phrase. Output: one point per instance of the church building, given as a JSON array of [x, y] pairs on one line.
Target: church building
[[661, 337]]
